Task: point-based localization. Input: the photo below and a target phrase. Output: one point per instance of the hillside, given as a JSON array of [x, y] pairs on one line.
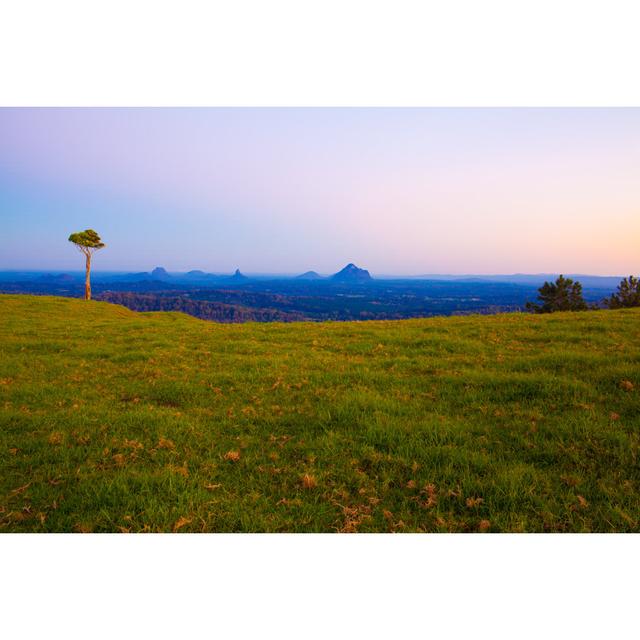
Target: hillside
[[112, 420]]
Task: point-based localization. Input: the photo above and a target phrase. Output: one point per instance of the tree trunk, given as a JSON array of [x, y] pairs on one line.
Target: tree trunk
[[87, 281]]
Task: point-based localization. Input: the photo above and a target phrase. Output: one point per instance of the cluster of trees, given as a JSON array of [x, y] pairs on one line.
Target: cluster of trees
[[627, 295], [566, 295]]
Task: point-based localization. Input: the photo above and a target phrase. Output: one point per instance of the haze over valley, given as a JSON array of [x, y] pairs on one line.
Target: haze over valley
[[351, 293]]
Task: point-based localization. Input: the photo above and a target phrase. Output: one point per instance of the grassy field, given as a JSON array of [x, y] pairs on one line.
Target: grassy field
[[112, 420]]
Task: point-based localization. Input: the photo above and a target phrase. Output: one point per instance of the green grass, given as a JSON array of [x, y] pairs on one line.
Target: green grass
[[112, 420]]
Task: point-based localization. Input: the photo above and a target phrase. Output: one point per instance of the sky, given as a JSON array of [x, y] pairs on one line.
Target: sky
[[396, 190]]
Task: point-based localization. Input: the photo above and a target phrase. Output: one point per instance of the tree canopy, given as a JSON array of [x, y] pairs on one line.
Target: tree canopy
[[87, 240], [562, 295], [627, 295]]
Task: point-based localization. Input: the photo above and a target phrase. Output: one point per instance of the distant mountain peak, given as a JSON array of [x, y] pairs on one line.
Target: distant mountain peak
[[351, 273], [238, 275], [309, 275], [159, 273]]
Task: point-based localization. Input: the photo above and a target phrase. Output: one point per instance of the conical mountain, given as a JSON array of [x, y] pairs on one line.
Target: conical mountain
[[238, 277], [351, 273]]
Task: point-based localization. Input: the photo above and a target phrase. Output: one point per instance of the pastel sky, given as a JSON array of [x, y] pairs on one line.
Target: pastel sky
[[397, 191]]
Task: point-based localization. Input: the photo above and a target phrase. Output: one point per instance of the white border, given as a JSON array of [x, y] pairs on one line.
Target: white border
[[314, 586], [320, 52]]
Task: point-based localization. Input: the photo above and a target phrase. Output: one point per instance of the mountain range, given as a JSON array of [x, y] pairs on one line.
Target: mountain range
[[350, 274]]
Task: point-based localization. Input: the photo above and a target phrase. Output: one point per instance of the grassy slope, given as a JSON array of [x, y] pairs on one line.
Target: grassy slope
[[112, 420]]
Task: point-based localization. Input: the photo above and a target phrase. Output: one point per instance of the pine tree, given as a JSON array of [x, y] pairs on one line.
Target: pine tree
[[627, 295], [562, 295]]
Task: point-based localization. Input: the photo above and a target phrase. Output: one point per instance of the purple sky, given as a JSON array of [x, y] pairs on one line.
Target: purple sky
[[398, 191]]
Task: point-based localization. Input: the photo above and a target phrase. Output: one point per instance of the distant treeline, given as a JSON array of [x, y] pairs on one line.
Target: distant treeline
[[204, 309], [225, 312]]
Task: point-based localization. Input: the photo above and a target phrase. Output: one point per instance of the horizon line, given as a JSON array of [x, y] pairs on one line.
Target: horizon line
[[328, 274]]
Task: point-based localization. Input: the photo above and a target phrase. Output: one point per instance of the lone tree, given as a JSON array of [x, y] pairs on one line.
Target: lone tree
[[627, 295], [87, 242], [562, 295]]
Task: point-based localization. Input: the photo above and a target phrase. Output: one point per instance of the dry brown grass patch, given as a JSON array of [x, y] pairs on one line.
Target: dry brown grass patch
[[309, 482]]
